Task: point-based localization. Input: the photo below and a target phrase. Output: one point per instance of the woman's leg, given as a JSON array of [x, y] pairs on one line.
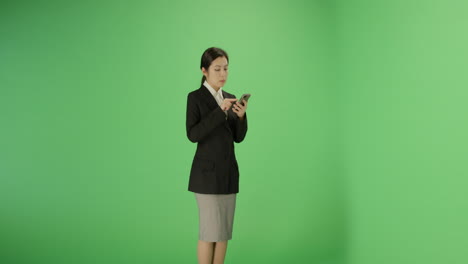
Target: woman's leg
[[219, 252], [205, 252]]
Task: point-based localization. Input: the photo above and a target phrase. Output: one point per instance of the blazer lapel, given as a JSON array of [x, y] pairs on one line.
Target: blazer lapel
[[212, 103], [208, 97]]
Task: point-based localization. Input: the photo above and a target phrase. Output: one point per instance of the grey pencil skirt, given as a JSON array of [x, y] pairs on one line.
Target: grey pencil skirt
[[216, 216]]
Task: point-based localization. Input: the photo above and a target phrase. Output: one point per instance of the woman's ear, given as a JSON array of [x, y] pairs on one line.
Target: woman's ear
[[204, 71]]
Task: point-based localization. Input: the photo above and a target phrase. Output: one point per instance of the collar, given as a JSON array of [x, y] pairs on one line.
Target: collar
[[212, 90]]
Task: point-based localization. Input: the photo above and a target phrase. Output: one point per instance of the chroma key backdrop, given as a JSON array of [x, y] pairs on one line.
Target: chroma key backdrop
[[356, 149]]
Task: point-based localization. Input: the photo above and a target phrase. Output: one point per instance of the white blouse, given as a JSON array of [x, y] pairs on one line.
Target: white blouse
[[218, 95]]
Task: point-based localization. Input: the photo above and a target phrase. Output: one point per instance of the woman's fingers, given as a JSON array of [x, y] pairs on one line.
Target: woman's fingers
[[238, 106], [227, 103]]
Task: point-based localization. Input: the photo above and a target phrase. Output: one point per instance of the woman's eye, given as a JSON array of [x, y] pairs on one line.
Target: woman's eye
[[217, 70]]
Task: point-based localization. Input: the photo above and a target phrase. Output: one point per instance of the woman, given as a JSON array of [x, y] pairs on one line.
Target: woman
[[215, 120]]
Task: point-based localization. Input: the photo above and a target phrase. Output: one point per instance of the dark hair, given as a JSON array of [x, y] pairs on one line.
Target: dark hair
[[209, 56]]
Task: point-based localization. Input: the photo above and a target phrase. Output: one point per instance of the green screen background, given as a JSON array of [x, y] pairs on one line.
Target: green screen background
[[355, 152]]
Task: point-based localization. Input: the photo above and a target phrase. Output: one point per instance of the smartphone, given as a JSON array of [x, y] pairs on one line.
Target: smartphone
[[245, 97]]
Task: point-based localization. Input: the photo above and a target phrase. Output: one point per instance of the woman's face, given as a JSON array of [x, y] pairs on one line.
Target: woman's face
[[217, 73]]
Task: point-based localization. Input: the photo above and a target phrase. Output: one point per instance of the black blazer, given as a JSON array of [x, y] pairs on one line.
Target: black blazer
[[214, 167]]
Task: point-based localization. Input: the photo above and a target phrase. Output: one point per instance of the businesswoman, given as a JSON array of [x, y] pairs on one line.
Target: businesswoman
[[215, 120]]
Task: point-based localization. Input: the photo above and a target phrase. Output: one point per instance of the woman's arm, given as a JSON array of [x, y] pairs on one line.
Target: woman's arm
[[197, 127], [240, 124], [240, 128]]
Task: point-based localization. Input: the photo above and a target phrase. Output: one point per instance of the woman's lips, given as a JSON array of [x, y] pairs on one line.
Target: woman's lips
[[222, 80]]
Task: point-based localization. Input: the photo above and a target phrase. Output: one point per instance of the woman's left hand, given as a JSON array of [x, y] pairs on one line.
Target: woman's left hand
[[240, 109]]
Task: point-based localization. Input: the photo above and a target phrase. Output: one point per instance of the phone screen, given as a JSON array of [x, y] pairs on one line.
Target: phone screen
[[244, 97]]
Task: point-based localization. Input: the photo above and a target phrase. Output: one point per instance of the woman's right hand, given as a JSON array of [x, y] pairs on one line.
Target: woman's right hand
[[227, 103]]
